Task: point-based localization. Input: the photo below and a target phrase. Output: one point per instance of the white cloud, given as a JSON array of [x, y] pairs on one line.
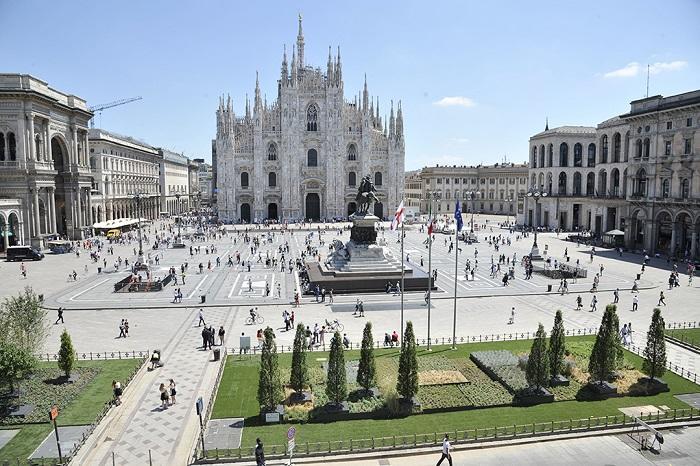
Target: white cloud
[[634, 68], [455, 101]]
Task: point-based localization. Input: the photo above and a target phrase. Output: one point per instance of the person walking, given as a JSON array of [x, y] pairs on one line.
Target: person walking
[[579, 303], [173, 392], [661, 299], [616, 296], [117, 391], [512, 315], [163, 396], [222, 334], [594, 304], [445, 451], [60, 316], [259, 453], [201, 318], [635, 302]]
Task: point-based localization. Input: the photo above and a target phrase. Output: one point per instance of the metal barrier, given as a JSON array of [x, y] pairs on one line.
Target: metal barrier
[[98, 356]]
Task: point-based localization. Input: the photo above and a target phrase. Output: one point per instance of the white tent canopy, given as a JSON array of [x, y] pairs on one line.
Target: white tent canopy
[[118, 223], [615, 233]]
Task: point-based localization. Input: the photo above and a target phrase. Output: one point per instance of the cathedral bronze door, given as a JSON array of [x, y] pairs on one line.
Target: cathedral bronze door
[[272, 211], [379, 210], [245, 213], [352, 208], [313, 207]]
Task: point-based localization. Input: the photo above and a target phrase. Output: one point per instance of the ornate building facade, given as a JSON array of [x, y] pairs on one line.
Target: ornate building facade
[[45, 180], [638, 172], [302, 156]]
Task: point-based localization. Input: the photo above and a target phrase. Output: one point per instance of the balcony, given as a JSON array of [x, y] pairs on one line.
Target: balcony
[[9, 164]]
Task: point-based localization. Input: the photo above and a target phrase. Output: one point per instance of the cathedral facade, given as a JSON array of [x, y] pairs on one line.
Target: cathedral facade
[[303, 156]]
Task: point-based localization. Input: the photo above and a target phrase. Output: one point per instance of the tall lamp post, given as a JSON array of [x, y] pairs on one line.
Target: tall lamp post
[[509, 201], [431, 196], [471, 196], [139, 197], [536, 195]]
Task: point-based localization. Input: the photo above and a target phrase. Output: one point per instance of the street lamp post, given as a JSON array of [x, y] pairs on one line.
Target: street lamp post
[[536, 195], [179, 221], [432, 196], [471, 196], [509, 201], [139, 197]]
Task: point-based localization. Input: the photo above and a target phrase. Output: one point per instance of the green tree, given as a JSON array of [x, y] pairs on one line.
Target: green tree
[[15, 364], [336, 380], [366, 371], [299, 377], [269, 385], [407, 383], [654, 364], [605, 355], [537, 372], [556, 345], [66, 355], [24, 321]]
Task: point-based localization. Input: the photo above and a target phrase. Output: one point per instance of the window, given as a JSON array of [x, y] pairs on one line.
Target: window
[[312, 158], [617, 147], [604, 149], [641, 182], [244, 179], [272, 179], [352, 179], [638, 148], [378, 179], [542, 156], [578, 155], [647, 147], [447, 194], [666, 188], [689, 122], [685, 188], [439, 181], [312, 118], [352, 152], [591, 155], [12, 146], [2, 147], [577, 184], [456, 180], [667, 147], [687, 146], [669, 125], [550, 155], [564, 155], [272, 151], [464, 181], [534, 157], [492, 181]]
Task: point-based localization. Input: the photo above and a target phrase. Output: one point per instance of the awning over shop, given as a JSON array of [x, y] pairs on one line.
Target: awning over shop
[[118, 223]]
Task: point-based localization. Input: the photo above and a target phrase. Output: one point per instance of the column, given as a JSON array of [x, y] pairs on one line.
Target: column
[[674, 235], [89, 202], [52, 209], [31, 150], [47, 142], [694, 244], [74, 146], [37, 228], [79, 210], [6, 236]]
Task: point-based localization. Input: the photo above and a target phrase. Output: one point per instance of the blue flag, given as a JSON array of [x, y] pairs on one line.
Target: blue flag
[[458, 216]]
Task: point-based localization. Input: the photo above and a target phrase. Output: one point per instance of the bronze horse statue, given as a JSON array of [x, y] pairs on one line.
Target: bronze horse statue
[[366, 195]]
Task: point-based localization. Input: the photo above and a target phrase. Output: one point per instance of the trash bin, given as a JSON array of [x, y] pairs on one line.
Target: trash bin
[[568, 258], [217, 354], [204, 299], [549, 287], [639, 276], [99, 269]]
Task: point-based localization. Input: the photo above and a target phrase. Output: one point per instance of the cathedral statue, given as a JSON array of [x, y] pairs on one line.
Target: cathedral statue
[[366, 195]]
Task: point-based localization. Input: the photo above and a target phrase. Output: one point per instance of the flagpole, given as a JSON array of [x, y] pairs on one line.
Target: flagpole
[[454, 312], [403, 268]]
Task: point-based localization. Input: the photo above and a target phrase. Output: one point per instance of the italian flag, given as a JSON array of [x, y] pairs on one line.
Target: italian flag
[[398, 217]]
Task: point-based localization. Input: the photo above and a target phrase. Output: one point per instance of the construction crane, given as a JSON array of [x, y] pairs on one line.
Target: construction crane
[[98, 108]]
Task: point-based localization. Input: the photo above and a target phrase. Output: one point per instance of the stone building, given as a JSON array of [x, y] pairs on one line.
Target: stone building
[[303, 155], [204, 178], [122, 167], [175, 193], [490, 189], [45, 180], [636, 172], [413, 191]]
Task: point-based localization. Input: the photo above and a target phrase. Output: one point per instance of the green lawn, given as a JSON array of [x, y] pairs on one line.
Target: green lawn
[[689, 335], [82, 410], [237, 398]]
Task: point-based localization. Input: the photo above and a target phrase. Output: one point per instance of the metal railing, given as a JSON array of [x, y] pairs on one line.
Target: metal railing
[[458, 437], [98, 355]]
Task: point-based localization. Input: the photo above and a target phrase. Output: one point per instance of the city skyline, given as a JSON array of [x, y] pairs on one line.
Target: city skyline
[[571, 70]]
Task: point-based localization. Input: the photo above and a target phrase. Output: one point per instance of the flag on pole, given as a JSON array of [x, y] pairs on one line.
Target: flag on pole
[[458, 216], [398, 217], [430, 227]]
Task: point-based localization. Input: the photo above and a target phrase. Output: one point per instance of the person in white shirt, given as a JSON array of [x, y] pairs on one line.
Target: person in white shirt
[[445, 451]]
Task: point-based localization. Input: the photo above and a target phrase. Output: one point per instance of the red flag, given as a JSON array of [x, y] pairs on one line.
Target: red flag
[[430, 227]]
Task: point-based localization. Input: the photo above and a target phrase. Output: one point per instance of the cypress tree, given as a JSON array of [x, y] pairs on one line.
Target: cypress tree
[[407, 384], [366, 371], [336, 383], [654, 364], [605, 354], [66, 354], [269, 383], [299, 377], [556, 345], [538, 363]]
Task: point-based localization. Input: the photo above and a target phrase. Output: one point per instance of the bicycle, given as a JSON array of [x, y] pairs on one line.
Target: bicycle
[[335, 325], [258, 319]]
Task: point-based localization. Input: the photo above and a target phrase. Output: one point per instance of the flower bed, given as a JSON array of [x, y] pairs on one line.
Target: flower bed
[[503, 366]]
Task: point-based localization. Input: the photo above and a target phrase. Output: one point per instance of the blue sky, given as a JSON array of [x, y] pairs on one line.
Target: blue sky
[[503, 66]]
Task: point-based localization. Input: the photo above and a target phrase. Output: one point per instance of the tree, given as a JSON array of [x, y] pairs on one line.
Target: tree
[[299, 377], [269, 384], [336, 383], [605, 354], [654, 364], [407, 384], [556, 346], [66, 355], [366, 372], [15, 364], [24, 321], [537, 372]]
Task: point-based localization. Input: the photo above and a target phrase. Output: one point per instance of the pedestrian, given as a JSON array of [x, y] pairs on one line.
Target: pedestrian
[[259, 453], [60, 316], [594, 304], [173, 392], [330, 296], [126, 328], [616, 295], [661, 299], [23, 270], [121, 330], [201, 318], [163, 396], [579, 303], [635, 302], [222, 333], [512, 315], [445, 451], [117, 391], [205, 338]]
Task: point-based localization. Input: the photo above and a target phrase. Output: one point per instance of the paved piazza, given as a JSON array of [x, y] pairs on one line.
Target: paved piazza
[[93, 313]]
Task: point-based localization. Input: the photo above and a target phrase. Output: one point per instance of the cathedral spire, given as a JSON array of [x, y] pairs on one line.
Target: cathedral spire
[[247, 107], [300, 44], [365, 96], [284, 75], [258, 102], [338, 70], [329, 67], [399, 123], [546, 125], [294, 67], [392, 122]]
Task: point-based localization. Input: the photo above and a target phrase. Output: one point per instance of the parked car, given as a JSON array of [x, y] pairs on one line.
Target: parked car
[[114, 234], [60, 247], [23, 253]]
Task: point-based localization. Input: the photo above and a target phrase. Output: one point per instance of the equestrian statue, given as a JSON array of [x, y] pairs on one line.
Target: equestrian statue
[[366, 195]]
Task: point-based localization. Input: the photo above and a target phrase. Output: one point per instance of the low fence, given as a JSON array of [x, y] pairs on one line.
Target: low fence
[[675, 368], [457, 437], [210, 405], [98, 356]]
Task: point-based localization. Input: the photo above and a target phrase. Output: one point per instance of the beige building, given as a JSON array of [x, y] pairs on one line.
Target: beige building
[[45, 179], [413, 190]]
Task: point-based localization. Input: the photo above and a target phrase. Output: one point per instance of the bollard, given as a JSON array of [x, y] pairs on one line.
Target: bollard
[[150, 460], [113, 460]]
